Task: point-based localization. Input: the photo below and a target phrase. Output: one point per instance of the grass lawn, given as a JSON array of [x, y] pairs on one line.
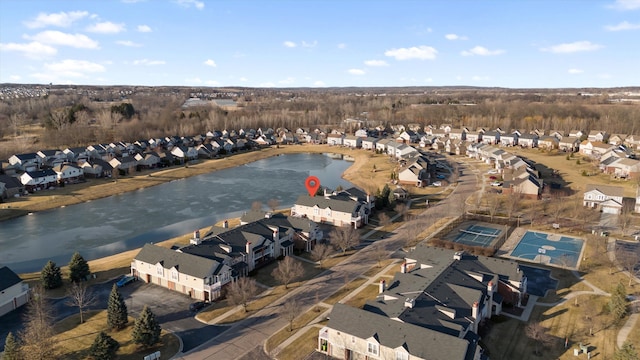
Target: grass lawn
[[344, 290], [302, 346], [364, 295], [376, 269], [74, 340], [298, 323]]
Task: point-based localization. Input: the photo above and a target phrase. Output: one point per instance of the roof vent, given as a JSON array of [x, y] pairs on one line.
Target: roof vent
[[409, 303], [458, 255]]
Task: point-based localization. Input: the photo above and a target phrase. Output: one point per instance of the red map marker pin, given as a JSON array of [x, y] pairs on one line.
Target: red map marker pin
[[312, 184]]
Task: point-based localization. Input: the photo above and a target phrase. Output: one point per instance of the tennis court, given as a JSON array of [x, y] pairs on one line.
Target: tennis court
[[550, 249], [477, 235]]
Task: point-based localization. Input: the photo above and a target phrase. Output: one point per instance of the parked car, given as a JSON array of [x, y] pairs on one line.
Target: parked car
[[492, 172], [198, 305], [125, 280], [440, 176], [437, 183], [492, 177], [496, 183]]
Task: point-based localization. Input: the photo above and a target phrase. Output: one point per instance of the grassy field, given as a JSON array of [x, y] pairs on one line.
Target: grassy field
[[74, 339], [302, 346], [298, 323]]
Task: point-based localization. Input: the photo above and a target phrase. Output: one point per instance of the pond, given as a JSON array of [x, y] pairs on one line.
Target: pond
[[118, 223]]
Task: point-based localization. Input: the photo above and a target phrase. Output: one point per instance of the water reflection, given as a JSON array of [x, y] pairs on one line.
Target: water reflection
[[122, 222]]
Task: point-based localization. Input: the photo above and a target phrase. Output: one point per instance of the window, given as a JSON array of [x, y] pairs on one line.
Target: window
[[159, 270], [328, 212], [372, 349], [174, 275], [401, 355], [316, 211]]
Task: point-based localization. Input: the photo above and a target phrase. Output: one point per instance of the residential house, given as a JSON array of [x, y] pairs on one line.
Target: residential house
[[352, 141], [522, 181], [306, 232], [558, 134], [625, 168], [185, 153], [431, 309], [148, 160], [125, 164], [473, 136], [594, 149], [315, 138], [51, 157], [548, 142], [617, 139], [39, 180], [369, 143], [528, 140], [75, 154], [416, 173], [491, 137], [576, 133], [196, 276], [25, 162], [605, 198], [68, 173], [407, 137], [510, 139], [633, 141], [569, 143], [12, 187], [403, 151], [446, 128], [363, 133], [598, 135], [381, 145], [336, 209], [335, 139], [458, 134], [96, 168], [14, 292]]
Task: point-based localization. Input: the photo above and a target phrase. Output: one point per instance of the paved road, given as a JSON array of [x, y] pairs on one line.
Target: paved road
[[242, 338]]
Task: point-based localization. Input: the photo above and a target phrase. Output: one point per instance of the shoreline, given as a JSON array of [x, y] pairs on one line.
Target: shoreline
[[94, 189], [118, 260]]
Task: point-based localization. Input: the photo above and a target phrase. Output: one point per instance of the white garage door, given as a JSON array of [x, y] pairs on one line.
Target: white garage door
[[609, 210]]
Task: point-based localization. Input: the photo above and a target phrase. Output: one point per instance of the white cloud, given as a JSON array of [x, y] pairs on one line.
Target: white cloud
[[428, 80], [61, 19], [455, 37], [575, 71], [416, 52], [34, 49], [106, 27], [195, 80], [376, 63], [342, 46], [289, 44], [356, 71], [244, 79], [14, 77], [481, 51], [189, 3], [73, 68], [267, 85], [309, 45], [148, 62], [625, 25], [210, 62], [144, 28], [626, 5], [288, 81], [212, 82], [319, 83], [479, 78], [572, 47], [128, 43], [55, 37]]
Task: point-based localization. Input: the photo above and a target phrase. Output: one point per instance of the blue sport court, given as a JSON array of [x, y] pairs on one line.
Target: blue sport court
[[477, 235], [559, 250]]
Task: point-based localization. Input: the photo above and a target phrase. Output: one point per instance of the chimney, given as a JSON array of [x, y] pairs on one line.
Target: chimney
[[403, 267], [474, 309], [490, 287], [276, 236], [225, 224], [248, 248], [382, 287], [409, 303], [196, 238]]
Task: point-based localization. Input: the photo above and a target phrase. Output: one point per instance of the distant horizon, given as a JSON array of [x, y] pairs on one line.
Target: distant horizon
[[529, 44]]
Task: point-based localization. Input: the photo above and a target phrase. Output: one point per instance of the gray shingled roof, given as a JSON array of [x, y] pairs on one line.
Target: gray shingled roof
[[606, 189], [328, 202], [8, 278], [418, 341], [193, 265]]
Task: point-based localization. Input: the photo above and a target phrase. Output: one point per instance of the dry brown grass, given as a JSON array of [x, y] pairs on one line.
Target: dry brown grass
[[298, 323], [343, 291], [364, 295], [74, 340], [302, 346]]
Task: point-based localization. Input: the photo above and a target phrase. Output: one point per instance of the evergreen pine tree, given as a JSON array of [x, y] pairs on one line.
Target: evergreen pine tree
[[51, 276], [117, 316], [11, 348], [104, 347], [78, 268], [626, 352], [618, 302], [146, 330]]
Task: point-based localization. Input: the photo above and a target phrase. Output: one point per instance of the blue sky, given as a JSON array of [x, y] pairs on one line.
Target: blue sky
[[309, 43]]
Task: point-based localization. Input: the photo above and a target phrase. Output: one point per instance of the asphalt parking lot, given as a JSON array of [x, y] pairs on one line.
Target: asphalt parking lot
[[172, 312]]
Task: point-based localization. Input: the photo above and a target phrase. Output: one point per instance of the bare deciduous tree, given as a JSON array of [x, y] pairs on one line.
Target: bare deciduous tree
[[513, 202], [290, 310], [81, 297], [242, 291], [494, 202], [379, 253], [288, 270], [344, 237], [536, 332], [384, 219], [37, 336], [629, 260], [320, 253], [273, 204], [256, 206], [402, 210]]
